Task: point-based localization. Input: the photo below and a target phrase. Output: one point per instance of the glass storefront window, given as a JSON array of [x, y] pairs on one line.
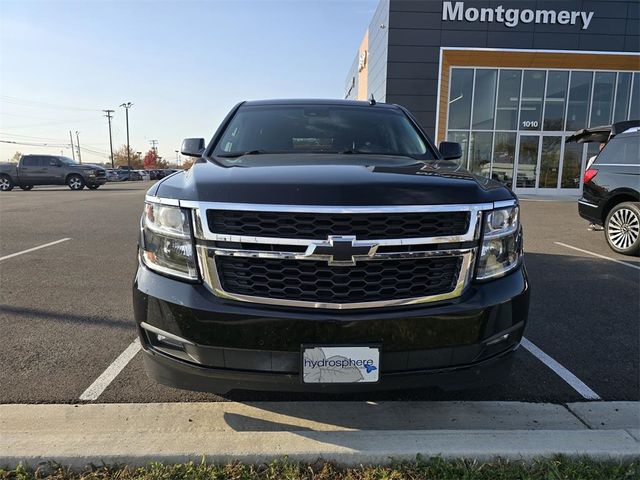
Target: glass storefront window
[[527, 161], [623, 91], [602, 103], [463, 139], [480, 153], [460, 97], [508, 99], [571, 165], [531, 101], [512, 122], [484, 99], [504, 154], [550, 161], [579, 97], [634, 113], [554, 105]]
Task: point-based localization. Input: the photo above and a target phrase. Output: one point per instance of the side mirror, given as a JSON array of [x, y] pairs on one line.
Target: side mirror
[[55, 163], [450, 150], [192, 147]]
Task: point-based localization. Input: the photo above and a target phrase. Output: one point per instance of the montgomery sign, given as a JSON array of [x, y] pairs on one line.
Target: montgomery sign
[[511, 17]]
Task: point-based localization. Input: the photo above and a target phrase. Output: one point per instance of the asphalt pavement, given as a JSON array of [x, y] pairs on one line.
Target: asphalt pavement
[[66, 313]]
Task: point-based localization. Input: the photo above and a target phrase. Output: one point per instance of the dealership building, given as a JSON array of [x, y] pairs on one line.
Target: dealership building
[[508, 80]]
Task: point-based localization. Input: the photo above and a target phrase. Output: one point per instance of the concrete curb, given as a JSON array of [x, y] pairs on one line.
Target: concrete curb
[[348, 433]]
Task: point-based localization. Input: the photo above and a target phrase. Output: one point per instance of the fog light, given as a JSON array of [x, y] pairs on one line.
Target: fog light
[[170, 341]]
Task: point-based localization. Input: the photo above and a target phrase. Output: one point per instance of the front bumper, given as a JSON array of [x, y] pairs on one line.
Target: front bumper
[[213, 344], [96, 180]]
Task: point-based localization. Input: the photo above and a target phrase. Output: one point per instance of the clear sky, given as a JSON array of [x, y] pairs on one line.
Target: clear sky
[[183, 65]]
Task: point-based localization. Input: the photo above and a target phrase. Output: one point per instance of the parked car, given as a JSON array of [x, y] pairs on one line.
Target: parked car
[[611, 186], [144, 174], [50, 170], [112, 175], [329, 247], [135, 175]]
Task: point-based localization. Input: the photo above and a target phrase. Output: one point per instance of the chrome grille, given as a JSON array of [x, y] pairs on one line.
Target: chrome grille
[[318, 282], [380, 270]]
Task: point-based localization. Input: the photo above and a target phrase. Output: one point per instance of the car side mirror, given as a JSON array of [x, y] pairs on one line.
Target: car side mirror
[[192, 147], [54, 163], [450, 150]]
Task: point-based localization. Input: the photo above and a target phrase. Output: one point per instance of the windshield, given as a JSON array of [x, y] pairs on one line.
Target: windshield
[[67, 161], [321, 129]]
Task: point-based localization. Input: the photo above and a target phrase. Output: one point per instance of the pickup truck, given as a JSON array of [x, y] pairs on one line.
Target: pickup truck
[[50, 170], [328, 246]]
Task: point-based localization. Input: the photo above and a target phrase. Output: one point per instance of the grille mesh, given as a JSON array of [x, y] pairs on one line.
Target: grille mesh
[[314, 226], [316, 281]]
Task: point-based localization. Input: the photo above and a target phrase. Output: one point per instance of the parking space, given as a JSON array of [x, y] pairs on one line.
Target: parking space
[[66, 315]]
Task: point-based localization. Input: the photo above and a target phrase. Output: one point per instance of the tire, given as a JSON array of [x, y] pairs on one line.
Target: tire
[[75, 182], [622, 228], [6, 184], [93, 187], [26, 187]]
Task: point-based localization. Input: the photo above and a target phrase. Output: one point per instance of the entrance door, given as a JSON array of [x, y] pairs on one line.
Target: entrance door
[[538, 163], [527, 163]]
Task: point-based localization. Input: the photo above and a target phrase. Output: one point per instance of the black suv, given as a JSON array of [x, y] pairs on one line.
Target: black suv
[[611, 192], [328, 246]]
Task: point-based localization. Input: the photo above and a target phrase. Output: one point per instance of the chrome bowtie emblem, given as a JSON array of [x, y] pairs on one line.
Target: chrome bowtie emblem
[[341, 250]]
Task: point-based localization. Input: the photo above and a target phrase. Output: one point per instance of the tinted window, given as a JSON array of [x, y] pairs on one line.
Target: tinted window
[[624, 150], [603, 87], [484, 99], [460, 97], [579, 99], [555, 100], [31, 161], [321, 129], [531, 101], [508, 96]]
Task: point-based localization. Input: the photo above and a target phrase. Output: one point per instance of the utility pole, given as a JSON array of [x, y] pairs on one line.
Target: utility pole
[[73, 153], [154, 145], [108, 115], [78, 142], [127, 106]]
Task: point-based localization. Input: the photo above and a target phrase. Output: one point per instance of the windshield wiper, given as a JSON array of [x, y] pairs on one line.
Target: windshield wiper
[[240, 154]]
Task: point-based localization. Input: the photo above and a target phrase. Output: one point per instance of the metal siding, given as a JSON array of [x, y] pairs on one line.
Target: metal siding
[[416, 31]]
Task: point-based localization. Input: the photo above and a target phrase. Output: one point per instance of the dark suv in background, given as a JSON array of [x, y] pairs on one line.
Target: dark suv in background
[[611, 192]]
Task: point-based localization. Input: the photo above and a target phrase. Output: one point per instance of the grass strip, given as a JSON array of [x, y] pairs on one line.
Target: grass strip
[[557, 468]]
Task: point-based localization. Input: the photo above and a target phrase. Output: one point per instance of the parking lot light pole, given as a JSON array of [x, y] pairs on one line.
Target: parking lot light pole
[[127, 106]]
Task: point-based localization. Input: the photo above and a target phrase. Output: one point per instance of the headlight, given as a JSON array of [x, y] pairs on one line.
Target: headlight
[[501, 249], [166, 241]]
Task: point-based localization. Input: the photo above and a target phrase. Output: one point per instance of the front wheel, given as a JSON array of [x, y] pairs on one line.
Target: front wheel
[[622, 228], [6, 184], [75, 182], [93, 187], [26, 187]]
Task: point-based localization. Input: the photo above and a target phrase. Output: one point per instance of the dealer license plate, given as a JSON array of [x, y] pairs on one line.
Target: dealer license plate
[[340, 364]]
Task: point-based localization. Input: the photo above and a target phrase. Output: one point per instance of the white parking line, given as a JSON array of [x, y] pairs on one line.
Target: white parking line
[[573, 381], [112, 371], [598, 255], [6, 257]]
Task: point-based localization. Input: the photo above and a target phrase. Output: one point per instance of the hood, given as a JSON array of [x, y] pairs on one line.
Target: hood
[[87, 166], [323, 179]]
